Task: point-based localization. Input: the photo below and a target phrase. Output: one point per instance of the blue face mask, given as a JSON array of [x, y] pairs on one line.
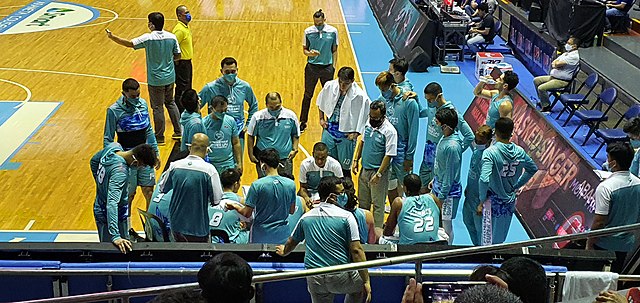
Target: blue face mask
[[387, 94], [219, 115], [431, 104], [188, 17], [274, 113], [230, 77], [635, 143], [342, 200]]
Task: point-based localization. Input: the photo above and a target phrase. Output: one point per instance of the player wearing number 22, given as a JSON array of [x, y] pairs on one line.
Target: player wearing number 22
[[501, 176], [110, 169]]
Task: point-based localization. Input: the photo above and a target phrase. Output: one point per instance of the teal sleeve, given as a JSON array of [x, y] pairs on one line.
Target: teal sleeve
[[151, 139], [95, 161], [485, 175], [298, 232], [199, 128], [467, 134], [530, 169], [249, 201], [205, 96], [166, 184], [635, 164], [109, 128], [452, 156], [252, 101], [117, 183], [413, 114]]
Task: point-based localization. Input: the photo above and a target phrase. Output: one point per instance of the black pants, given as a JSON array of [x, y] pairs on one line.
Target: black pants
[[184, 80], [313, 73]]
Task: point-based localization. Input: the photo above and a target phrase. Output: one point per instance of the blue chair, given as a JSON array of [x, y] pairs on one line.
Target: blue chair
[[498, 27], [556, 93], [593, 117], [615, 134], [572, 102]]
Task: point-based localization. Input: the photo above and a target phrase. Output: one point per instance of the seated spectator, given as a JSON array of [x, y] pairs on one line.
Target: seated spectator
[[522, 276], [484, 32], [226, 278], [632, 128], [562, 70], [364, 218], [417, 216], [618, 8], [231, 222]]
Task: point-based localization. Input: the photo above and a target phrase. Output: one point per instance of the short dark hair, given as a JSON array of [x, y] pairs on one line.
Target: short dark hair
[[270, 157], [217, 100], [510, 78], [226, 278], [350, 190], [130, 84], [179, 8], [157, 19], [576, 41], [228, 61], [633, 126], [320, 146], [433, 88], [412, 184], [527, 279], [622, 152], [189, 100], [400, 65], [179, 296], [145, 155], [378, 105], [504, 127], [447, 116], [485, 131], [318, 14], [483, 7], [487, 294], [229, 177], [328, 186], [346, 74], [272, 95]]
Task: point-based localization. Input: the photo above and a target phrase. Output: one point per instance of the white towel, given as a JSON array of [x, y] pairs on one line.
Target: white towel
[[587, 284], [354, 112]]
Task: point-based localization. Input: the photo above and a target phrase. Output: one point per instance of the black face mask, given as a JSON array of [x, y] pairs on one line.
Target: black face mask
[[375, 123]]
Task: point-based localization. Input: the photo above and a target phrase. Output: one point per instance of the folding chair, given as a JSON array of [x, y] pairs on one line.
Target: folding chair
[[572, 102], [616, 134], [498, 27], [154, 229], [592, 117]]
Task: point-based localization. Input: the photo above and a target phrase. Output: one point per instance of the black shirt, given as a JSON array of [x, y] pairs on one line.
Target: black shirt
[[488, 22]]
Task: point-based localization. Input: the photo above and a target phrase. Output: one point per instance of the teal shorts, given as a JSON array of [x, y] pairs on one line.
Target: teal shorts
[[141, 176], [340, 149]]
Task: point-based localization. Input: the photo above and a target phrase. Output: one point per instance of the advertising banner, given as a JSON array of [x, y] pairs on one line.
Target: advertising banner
[[532, 50]]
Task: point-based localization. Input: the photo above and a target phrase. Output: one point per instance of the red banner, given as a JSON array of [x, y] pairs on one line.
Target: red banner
[[560, 198]]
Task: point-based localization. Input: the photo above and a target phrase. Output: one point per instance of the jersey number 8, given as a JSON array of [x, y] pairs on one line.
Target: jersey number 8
[[423, 224], [216, 220]]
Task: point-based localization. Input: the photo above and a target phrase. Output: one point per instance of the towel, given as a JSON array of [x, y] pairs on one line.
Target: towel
[[354, 112], [587, 284]]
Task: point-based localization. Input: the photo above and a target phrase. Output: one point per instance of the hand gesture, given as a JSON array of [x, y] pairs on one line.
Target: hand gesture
[[292, 154], [323, 123], [611, 296], [374, 179], [280, 250], [355, 167], [408, 95], [123, 245], [413, 292]]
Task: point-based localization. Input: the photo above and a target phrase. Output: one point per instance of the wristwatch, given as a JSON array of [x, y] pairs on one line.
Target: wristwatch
[[379, 175]]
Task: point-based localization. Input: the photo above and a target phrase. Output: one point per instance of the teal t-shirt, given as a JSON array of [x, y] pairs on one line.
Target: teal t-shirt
[[271, 198], [494, 109], [378, 143], [191, 125], [221, 133], [505, 168], [418, 221], [237, 94], [328, 231], [635, 164], [363, 228], [447, 165], [275, 132], [295, 217], [322, 40], [471, 192], [404, 116], [159, 46]]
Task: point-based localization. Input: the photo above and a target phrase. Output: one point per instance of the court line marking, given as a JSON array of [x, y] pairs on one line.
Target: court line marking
[[353, 50], [304, 150], [232, 20], [11, 6], [29, 225], [64, 73], [16, 239], [115, 16], [26, 89]]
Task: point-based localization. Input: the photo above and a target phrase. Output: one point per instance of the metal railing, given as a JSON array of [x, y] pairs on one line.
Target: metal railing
[[125, 295]]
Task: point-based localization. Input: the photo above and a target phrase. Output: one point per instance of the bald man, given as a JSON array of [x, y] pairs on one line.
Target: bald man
[[196, 185]]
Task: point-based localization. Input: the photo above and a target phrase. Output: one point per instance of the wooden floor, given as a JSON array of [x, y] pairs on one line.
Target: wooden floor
[[53, 185]]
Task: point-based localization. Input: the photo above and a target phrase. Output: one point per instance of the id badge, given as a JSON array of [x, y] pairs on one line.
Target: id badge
[[447, 209]]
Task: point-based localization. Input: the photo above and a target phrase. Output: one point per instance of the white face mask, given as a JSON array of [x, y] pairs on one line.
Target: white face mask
[[568, 47]]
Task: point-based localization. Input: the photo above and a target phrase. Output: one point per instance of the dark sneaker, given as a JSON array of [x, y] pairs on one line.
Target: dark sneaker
[[160, 141], [176, 136], [546, 109], [303, 127]]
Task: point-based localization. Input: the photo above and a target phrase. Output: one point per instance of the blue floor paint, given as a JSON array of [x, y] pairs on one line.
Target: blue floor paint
[[7, 109], [373, 54]]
